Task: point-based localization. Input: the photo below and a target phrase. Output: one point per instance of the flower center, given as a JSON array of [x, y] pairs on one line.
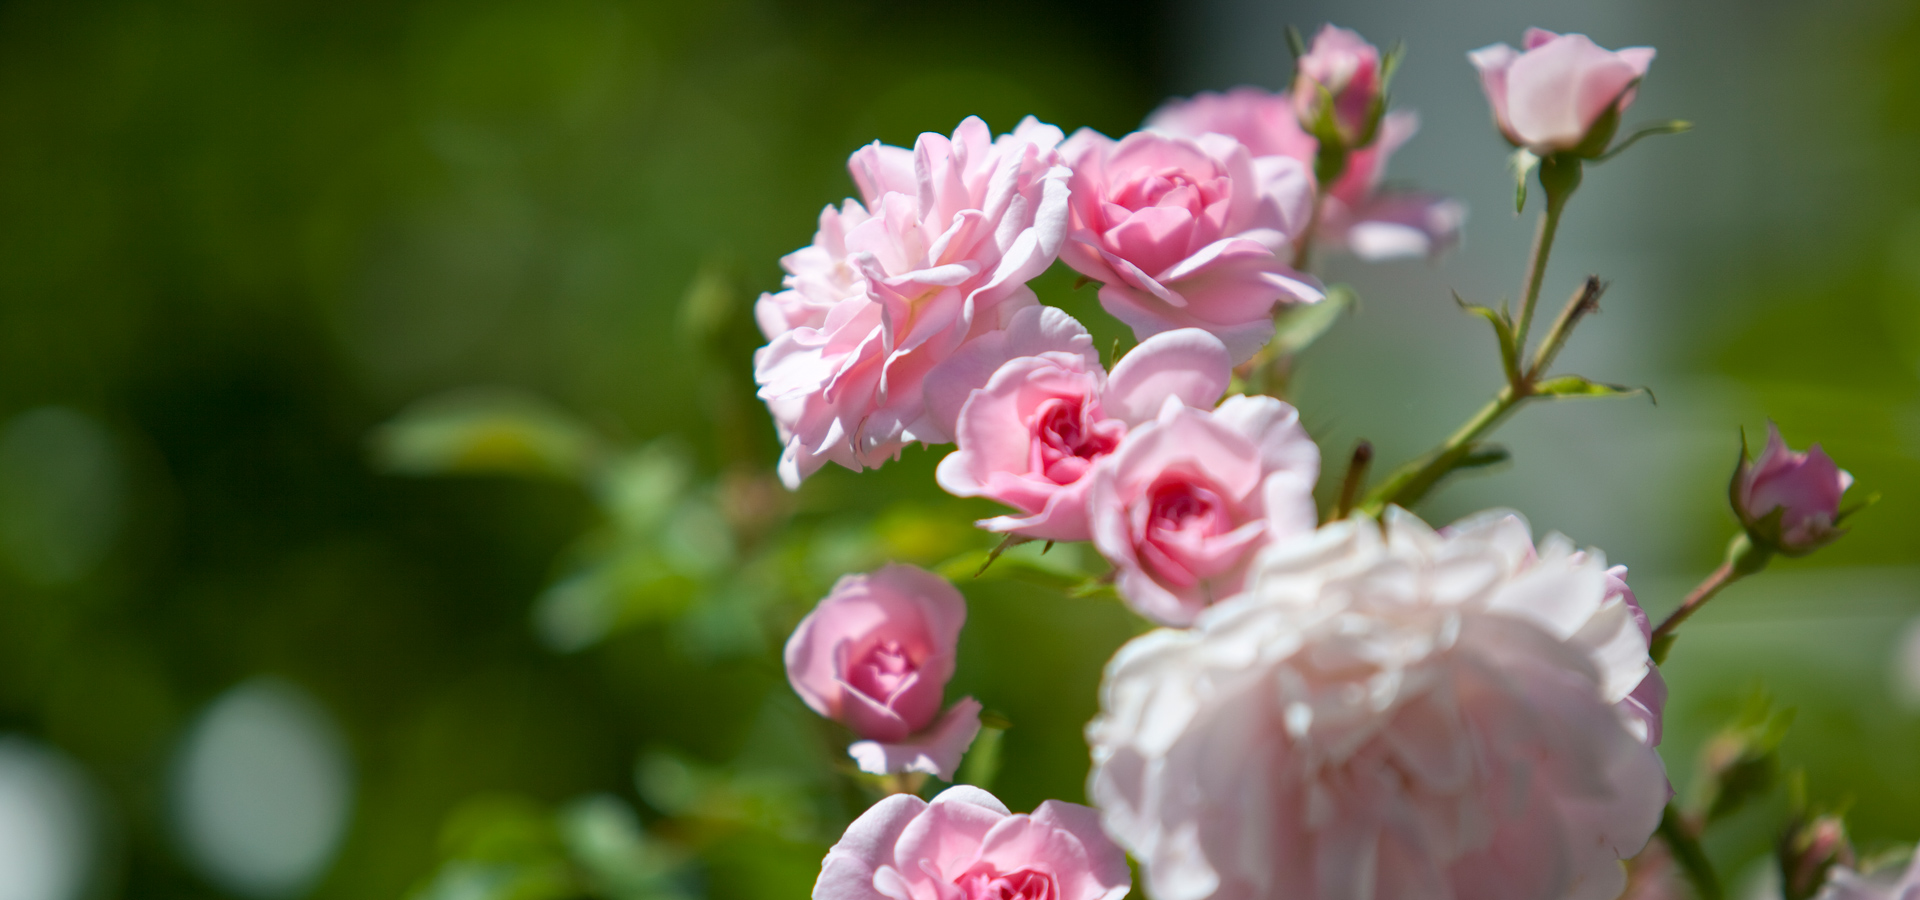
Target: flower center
[[982, 882], [1183, 510], [1169, 187], [883, 672], [1067, 439], [1186, 533]]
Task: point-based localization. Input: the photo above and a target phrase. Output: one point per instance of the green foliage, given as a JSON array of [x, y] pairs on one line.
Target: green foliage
[[508, 848], [1742, 762], [1296, 328]]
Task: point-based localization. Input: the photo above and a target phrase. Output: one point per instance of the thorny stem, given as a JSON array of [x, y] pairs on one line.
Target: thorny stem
[[1355, 480], [1585, 300], [1411, 481], [1685, 844], [1558, 179]]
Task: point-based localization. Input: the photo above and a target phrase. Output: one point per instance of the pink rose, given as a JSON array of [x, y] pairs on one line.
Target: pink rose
[[1549, 98], [965, 845], [1183, 505], [1386, 712], [1347, 68], [1187, 233], [938, 249], [1030, 437], [875, 656], [1355, 215], [1804, 488]]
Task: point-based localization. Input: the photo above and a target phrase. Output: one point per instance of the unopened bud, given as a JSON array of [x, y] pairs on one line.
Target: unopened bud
[[1338, 89], [1808, 850], [1789, 502]]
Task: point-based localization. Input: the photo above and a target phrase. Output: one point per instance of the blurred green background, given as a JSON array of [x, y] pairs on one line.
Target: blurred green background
[[384, 506]]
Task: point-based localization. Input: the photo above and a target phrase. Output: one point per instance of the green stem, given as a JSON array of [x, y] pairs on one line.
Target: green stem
[[1537, 266], [1688, 853], [1303, 249], [1743, 558], [1411, 481], [1585, 299]]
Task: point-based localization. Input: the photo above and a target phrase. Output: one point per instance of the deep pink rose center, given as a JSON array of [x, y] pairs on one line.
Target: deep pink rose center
[[1068, 437], [1174, 187], [982, 882], [1184, 516], [884, 672]]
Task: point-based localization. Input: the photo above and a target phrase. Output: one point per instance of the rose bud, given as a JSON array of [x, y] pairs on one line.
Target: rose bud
[[1341, 67], [1789, 502], [1046, 412], [875, 656], [1563, 94], [965, 845], [1809, 850]]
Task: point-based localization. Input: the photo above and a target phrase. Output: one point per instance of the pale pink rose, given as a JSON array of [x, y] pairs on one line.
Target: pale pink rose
[[875, 656], [1549, 97], [1187, 233], [1887, 883], [1356, 214], [1031, 435], [1347, 68], [1804, 487], [938, 250], [1648, 701], [965, 845], [1387, 712], [1181, 508]]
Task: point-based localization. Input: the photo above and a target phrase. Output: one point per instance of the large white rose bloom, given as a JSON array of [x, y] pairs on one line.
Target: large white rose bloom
[[1387, 713]]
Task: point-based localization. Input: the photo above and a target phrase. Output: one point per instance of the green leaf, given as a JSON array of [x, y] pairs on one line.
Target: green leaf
[[1675, 126], [1298, 326], [1482, 456], [1741, 763], [983, 758], [1522, 164], [1296, 43], [497, 431], [1390, 64], [1502, 331], [1063, 569], [603, 836], [708, 304], [1576, 386]]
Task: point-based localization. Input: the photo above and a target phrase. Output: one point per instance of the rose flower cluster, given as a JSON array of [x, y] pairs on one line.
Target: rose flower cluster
[[1348, 705]]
